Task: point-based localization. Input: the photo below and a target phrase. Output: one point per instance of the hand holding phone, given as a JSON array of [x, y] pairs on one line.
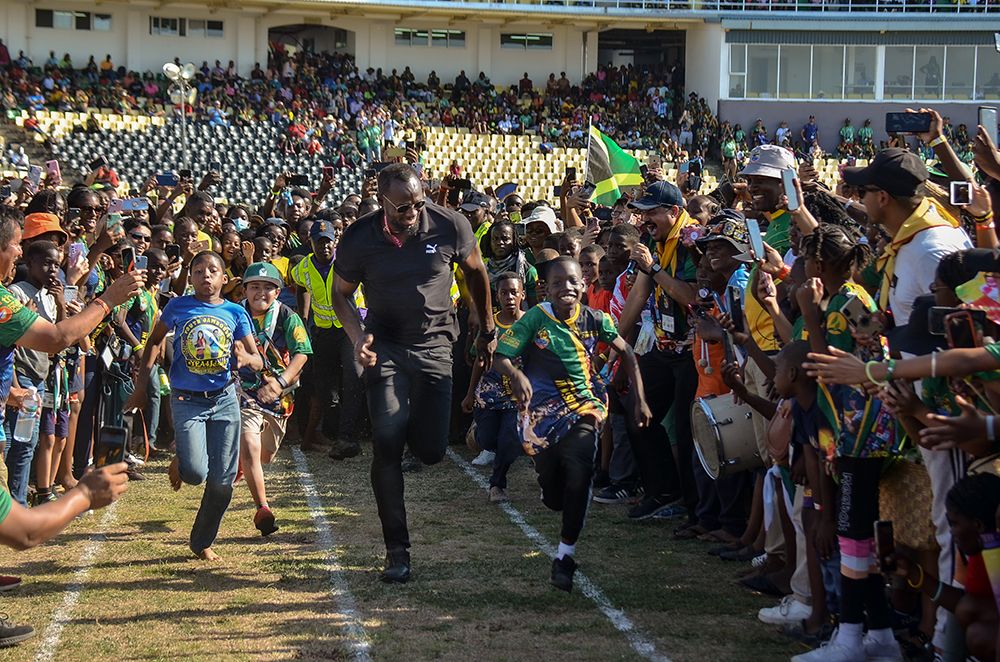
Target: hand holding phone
[[128, 259], [908, 122], [587, 190], [788, 182], [960, 194], [756, 240]]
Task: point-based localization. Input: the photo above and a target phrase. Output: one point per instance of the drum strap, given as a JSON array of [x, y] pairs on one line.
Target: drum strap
[[772, 483]]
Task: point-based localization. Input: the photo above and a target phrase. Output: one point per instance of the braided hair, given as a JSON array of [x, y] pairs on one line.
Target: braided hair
[[835, 247], [977, 497]]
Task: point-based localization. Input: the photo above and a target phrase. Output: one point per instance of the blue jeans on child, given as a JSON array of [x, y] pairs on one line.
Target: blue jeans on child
[[207, 434], [496, 430], [20, 453]]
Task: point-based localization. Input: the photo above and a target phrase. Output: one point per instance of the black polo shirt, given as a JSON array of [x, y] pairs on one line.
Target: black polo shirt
[[407, 289]]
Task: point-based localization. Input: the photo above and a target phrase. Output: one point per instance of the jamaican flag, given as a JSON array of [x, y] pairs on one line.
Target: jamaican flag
[[609, 168]]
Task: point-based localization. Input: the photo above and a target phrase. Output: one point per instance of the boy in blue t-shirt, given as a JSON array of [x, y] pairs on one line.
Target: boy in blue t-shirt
[[212, 338]]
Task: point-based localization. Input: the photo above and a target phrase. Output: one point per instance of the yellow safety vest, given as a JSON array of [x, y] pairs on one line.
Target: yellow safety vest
[[305, 274]]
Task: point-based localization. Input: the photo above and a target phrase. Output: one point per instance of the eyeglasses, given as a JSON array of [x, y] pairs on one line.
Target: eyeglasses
[[141, 237], [402, 209]]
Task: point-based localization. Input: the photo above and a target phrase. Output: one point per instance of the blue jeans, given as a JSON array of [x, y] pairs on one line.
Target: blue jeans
[[207, 434], [496, 430], [21, 453]]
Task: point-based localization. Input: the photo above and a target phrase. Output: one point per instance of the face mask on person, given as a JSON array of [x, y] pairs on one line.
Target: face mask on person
[[241, 224]]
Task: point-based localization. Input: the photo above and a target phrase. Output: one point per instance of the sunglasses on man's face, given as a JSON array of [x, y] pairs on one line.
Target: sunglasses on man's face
[[403, 209], [138, 236]]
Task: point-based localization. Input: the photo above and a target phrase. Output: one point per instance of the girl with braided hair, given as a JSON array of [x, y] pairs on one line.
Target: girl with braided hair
[[854, 436]]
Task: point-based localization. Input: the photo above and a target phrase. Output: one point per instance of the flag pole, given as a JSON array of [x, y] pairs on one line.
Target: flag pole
[[590, 136]]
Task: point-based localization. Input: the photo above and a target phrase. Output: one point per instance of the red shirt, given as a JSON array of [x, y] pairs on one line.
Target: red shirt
[[598, 299]]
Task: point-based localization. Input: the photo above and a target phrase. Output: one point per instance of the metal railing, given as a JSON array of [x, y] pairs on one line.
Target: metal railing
[[754, 6]]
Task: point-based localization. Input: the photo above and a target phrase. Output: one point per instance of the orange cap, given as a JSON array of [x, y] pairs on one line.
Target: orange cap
[[41, 223]]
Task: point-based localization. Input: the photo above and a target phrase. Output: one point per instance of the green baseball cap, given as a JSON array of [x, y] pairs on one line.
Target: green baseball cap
[[264, 272]]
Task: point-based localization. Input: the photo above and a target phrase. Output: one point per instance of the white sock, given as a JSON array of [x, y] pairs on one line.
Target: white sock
[[565, 550], [849, 634], [883, 636]]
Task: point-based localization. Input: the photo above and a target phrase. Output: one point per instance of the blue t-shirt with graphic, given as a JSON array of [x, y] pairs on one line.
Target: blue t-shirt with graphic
[[203, 341]]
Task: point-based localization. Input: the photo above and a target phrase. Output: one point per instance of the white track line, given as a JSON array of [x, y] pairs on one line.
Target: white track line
[[360, 648], [62, 615], [640, 643]]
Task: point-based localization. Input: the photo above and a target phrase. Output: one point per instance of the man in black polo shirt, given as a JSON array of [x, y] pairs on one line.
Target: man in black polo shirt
[[404, 255]]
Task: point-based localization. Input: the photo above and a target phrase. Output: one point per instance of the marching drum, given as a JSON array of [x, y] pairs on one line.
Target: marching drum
[[723, 436]]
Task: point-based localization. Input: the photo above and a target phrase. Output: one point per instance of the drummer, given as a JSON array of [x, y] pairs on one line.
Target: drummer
[[721, 514]]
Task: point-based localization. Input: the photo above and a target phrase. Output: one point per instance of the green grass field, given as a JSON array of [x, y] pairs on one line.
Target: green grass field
[[480, 587]]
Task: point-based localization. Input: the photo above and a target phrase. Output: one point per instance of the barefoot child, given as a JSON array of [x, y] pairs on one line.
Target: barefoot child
[[561, 413], [266, 398], [489, 399], [212, 336]]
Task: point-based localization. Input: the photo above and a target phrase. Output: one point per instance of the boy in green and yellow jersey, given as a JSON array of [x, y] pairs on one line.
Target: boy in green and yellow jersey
[[561, 410]]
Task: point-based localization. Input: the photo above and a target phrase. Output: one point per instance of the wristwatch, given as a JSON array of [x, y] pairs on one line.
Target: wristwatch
[[489, 336], [655, 269]]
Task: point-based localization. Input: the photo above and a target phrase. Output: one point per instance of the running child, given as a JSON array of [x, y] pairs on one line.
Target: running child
[[560, 412], [489, 399], [266, 398], [212, 336]]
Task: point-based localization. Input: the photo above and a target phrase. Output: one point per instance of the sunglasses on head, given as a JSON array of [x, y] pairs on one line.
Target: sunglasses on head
[[402, 209]]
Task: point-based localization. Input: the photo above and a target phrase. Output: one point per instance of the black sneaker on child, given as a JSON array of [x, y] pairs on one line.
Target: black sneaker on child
[[649, 507], [11, 634], [562, 573]]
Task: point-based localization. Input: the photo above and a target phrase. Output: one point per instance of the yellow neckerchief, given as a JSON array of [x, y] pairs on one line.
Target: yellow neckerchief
[[928, 214], [668, 252]]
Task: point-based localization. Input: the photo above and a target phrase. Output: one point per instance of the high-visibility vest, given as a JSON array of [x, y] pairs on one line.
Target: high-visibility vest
[[305, 274]]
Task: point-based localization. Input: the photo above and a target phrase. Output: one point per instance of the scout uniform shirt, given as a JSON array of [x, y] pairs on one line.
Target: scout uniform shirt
[[279, 334]]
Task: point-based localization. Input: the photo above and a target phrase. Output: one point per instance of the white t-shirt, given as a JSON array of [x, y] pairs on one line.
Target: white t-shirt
[[916, 264]]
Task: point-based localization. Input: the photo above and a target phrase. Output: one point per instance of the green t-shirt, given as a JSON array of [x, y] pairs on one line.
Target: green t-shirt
[[838, 331], [729, 149], [847, 134], [5, 504], [15, 319], [557, 361], [865, 135], [279, 338]]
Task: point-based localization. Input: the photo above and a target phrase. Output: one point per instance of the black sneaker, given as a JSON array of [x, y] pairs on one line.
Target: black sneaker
[[562, 573], [409, 463], [649, 507], [342, 450], [601, 479], [11, 634], [615, 493]]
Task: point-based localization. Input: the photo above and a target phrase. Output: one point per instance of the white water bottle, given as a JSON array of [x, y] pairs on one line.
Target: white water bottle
[[27, 416]]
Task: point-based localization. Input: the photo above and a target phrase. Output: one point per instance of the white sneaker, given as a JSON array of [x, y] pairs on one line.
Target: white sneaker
[[758, 561], [484, 458], [878, 651], [787, 612], [832, 651], [134, 461]]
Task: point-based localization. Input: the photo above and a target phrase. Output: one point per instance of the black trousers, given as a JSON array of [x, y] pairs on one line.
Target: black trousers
[[409, 399], [565, 471], [669, 380], [333, 376]]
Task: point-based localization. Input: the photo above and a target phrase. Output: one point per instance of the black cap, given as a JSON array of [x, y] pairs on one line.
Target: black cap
[[895, 170], [659, 194], [915, 336], [474, 200]]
